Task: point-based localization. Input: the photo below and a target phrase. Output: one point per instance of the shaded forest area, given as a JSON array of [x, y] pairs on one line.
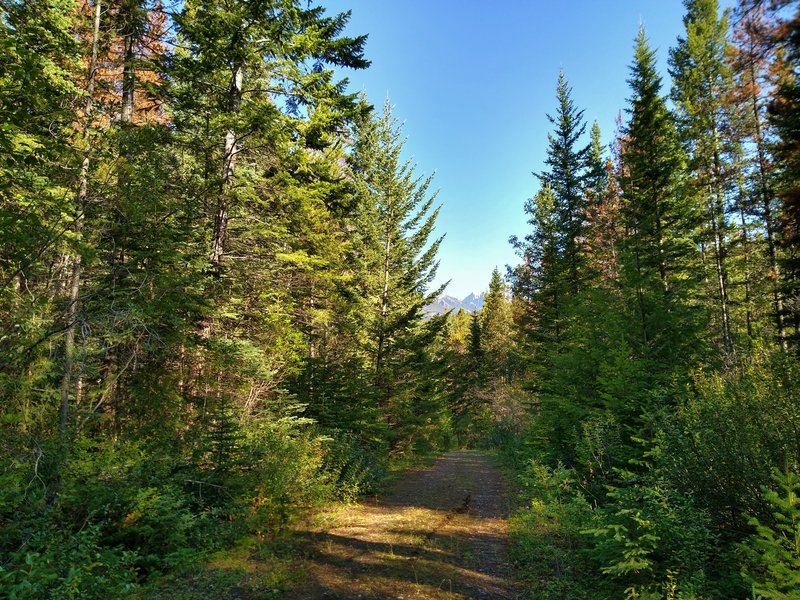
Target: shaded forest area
[[214, 263]]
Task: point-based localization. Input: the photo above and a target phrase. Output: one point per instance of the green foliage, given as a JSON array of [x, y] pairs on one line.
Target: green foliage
[[567, 160], [395, 217], [224, 291], [743, 422], [548, 543], [649, 359], [69, 565], [284, 479], [647, 534], [353, 468], [772, 554]]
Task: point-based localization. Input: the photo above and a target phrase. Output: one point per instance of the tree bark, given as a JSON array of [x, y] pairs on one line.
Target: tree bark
[[387, 247], [81, 202], [229, 159]]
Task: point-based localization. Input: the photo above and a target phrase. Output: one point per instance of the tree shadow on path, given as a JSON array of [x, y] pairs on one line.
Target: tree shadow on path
[[441, 533]]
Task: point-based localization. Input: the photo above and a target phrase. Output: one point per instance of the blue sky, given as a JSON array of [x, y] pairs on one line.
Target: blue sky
[[472, 82]]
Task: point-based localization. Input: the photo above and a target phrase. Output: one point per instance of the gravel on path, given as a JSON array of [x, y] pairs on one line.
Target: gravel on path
[[441, 533]]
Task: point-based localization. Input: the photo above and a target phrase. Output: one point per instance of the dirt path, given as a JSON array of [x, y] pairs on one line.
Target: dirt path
[[441, 533]]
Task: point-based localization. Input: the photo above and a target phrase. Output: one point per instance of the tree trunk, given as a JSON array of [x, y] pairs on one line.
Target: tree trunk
[[766, 206], [113, 359], [384, 305], [81, 202], [229, 159], [747, 276], [717, 215]]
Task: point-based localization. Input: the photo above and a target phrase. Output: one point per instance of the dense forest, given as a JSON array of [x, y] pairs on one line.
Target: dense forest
[[215, 259]]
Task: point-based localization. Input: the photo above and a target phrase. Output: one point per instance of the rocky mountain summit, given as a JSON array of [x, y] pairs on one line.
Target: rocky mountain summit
[[444, 303]]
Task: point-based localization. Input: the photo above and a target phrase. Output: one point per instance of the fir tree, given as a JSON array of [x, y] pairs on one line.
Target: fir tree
[[659, 217], [496, 326], [475, 347], [701, 82], [396, 220], [567, 162], [536, 282]]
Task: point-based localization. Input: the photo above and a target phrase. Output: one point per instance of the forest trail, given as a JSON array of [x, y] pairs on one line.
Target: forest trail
[[440, 533]]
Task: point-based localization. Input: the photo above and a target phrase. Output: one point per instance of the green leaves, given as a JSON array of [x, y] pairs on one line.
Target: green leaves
[[773, 552]]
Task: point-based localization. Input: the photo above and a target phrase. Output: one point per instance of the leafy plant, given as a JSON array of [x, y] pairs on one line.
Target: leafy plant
[[773, 552]]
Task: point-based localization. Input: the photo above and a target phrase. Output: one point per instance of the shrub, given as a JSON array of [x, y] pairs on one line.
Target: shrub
[[547, 535], [61, 565], [352, 467], [649, 536], [772, 554]]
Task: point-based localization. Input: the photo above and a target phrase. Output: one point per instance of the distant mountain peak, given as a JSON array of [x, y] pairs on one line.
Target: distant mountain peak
[[471, 303]]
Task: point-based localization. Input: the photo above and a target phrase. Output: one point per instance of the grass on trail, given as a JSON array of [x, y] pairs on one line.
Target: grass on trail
[[440, 533], [264, 569]]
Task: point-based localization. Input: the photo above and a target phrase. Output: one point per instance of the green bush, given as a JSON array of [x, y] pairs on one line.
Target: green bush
[[352, 467], [61, 565], [649, 538], [284, 477], [727, 435], [547, 540], [772, 554]]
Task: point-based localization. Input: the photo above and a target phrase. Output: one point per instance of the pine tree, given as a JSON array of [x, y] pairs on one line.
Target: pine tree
[[660, 219], [395, 224], [567, 162], [701, 83]]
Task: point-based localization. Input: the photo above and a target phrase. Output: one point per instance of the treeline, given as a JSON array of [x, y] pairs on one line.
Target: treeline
[[213, 263], [658, 326]]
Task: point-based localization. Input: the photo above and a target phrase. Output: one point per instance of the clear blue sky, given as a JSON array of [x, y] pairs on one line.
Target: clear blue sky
[[472, 82]]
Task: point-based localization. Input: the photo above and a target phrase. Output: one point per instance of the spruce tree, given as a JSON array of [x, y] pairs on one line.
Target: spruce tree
[[567, 161], [701, 82], [536, 283], [604, 227], [659, 216], [257, 114], [395, 225], [496, 326], [475, 347]]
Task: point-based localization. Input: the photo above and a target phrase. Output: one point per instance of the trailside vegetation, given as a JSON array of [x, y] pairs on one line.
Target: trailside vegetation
[[213, 266], [656, 315], [213, 275]]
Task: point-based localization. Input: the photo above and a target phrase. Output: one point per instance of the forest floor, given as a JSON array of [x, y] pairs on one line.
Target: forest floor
[[441, 532]]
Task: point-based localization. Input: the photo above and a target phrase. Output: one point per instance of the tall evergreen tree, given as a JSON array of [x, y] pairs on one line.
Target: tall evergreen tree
[[535, 282], [496, 326], [40, 213], [785, 115], [604, 228], [701, 82], [394, 228], [752, 63], [257, 111], [567, 161], [658, 213]]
